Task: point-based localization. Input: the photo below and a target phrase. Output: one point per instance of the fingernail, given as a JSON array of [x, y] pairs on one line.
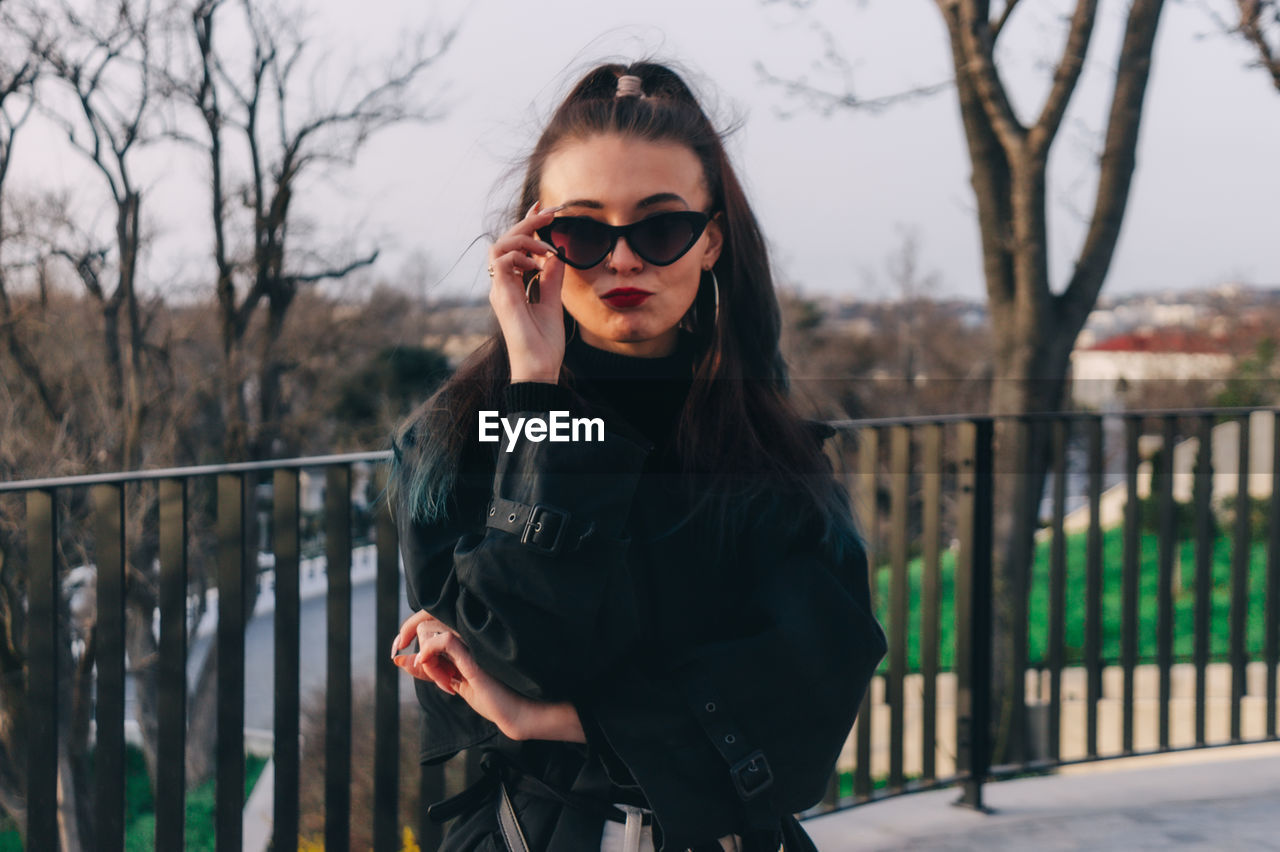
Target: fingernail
[[532, 209], [550, 248], [553, 209]]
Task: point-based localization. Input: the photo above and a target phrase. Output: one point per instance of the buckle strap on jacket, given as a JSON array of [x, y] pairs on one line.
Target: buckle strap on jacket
[[749, 770], [541, 527]]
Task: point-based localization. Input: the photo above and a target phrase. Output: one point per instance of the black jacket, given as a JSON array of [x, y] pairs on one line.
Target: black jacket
[[716, 685]]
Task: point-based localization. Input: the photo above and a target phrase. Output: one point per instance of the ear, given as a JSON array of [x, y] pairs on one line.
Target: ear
[[715, 242]]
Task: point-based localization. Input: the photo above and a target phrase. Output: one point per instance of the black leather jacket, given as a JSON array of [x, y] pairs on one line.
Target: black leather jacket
[[716, 688]]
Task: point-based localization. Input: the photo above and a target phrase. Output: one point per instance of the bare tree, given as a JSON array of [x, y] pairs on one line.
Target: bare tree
[[101, 92], [1034, 327], [259, 109], [19, 69]]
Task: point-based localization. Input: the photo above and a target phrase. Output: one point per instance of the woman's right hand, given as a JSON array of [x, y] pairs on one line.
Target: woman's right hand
[[534, 332]]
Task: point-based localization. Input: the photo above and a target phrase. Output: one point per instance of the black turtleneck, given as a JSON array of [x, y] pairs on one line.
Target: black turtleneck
[[646, 394]]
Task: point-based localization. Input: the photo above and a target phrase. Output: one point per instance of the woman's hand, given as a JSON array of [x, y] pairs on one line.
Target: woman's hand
[[421, 626], [534, 332], [443, 659]]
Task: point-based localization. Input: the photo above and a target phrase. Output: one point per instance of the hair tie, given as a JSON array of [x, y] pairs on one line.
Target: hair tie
[[628, 86]]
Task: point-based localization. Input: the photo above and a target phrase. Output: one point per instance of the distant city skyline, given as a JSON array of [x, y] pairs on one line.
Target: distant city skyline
[[834, 194]]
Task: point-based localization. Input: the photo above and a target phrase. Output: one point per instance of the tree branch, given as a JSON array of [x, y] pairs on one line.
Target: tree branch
[[1118, 161], [1251, 27], [339, 272], [827, 102], [1065, 78], [979, 61], [998, 26]]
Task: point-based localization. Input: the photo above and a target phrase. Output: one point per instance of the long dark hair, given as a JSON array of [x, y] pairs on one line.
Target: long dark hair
[[739, 436]]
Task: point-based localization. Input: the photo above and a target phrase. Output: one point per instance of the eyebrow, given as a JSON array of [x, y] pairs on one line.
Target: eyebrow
[[657, 198]]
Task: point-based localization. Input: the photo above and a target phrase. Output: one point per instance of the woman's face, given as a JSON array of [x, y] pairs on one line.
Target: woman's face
[[619, 180]]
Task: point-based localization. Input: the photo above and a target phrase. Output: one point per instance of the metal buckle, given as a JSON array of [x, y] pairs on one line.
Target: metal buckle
[[751, 775], [533, 526]]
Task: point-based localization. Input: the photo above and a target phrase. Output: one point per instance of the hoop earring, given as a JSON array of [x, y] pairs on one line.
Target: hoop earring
[[575, 327], [715, 285], [692, 320]]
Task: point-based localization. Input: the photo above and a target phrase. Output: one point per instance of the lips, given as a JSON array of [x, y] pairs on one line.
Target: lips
[[626, 297]]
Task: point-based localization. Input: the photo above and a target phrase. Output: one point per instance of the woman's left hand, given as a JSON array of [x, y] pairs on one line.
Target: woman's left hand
[[443, 659]]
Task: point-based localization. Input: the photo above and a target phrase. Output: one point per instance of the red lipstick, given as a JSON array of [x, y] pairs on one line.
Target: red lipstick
[[626, 297]]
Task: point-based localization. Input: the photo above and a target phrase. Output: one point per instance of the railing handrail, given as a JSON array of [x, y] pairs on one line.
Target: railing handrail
[[932, 419], [198, 470]]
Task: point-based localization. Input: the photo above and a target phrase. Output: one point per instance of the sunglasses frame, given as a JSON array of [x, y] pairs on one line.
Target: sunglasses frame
[[699, 219]]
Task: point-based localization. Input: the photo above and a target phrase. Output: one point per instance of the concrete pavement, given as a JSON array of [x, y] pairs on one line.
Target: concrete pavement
[[1215, 799]]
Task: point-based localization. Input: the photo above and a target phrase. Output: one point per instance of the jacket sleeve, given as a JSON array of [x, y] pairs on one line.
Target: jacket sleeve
[[740, 732], [529, 567]]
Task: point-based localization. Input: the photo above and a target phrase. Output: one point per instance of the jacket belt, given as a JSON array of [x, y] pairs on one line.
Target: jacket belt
[[749, 770], [498, 767], [541, 527]]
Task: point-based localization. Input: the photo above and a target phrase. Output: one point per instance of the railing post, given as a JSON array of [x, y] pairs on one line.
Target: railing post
[[1164, 589], [973, 611], [285, 550], [229, 764], [900, 466], [1057, 589], [1093, 588], [1129, 582], [868, 460], [1271, 630], [172, 685], [931, 535], [108, 759], [386, 759], [337, 726], [42, 671], [1240, 548]]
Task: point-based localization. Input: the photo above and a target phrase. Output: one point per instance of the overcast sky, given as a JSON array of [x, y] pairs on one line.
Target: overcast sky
[[834, 193]]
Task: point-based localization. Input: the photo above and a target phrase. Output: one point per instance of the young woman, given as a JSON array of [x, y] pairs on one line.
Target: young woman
[[637, 585]]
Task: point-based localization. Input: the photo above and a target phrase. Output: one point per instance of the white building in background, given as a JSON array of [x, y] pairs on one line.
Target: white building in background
[[1100, 371]]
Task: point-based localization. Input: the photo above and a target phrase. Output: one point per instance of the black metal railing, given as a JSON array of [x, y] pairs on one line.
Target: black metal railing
[[925, 491]]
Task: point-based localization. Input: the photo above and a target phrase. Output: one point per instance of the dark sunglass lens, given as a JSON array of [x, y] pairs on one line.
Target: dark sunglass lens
[[583, 242], [663, 239]]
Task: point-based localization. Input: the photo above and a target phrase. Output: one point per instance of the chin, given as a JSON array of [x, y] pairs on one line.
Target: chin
[[621, 327]]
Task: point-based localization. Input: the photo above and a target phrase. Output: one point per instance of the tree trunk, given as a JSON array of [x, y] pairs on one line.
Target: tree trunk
[[270, 373], [143, 655], [111, 349], [134, 414], [1022, 459], [202, 721], [75, 780], [13, 747]]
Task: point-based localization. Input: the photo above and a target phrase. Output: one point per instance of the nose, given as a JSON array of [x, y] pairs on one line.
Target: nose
[[623, 259]]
